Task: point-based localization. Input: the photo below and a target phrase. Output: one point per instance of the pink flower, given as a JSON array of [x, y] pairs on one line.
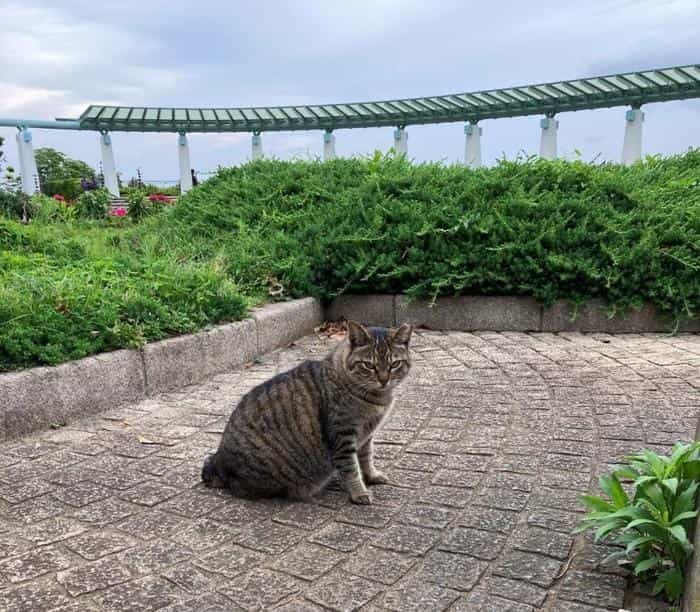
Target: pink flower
[[119, 212], [59, 197]]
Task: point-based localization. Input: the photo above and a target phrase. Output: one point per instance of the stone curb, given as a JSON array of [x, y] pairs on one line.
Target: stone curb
[[499, 313], [39, 398]]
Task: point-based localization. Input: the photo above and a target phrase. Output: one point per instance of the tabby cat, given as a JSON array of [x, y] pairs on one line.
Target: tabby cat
[[291, 434]]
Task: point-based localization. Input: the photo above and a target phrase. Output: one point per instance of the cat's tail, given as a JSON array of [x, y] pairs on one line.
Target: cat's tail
[[210, 475]]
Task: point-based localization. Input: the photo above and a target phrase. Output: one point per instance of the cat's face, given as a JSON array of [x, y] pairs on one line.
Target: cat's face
[[379, 357]]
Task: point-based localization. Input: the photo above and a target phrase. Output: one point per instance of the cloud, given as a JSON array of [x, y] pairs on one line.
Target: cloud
[[57, 58]]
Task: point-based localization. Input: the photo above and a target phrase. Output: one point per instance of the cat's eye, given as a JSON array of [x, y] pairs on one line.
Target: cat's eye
[[367, 365], [396, 364]]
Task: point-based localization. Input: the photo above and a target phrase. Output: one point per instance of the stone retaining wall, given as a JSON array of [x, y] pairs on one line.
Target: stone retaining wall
[[39, 398], [486, 313]]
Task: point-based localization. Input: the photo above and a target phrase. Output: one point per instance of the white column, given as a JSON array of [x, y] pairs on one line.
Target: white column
[[183, 154], [401, 141], [548, 137], [632, 147], [27, 163], [109, 168], [328, 145], [257, 146], [472, 145]]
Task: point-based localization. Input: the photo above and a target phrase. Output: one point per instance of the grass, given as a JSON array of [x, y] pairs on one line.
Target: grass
[[548, 229]]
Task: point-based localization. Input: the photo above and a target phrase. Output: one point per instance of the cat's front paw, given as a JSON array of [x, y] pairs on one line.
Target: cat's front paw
[[377, 478], [362, 497]]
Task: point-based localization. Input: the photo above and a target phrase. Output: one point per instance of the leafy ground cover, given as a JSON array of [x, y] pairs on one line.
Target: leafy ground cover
[[549, 229]]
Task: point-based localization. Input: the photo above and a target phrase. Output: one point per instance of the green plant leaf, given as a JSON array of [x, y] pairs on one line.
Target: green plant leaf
[[646, 565], [680, 534], [671, 484], [637, 542], [597, 503], [671, 582], [684, 516]]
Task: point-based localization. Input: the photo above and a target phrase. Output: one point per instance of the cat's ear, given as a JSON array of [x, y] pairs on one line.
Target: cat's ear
[[357, 334], [402, 335]]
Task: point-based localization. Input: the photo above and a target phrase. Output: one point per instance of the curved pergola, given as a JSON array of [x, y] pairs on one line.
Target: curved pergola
[[629, 89], [632, 89]]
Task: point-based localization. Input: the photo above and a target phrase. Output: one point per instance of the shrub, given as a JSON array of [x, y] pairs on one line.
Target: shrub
[[51, 210], [15, 204], [548, 229], [93, 204], [138, 204], [654, 524], [69, 188]]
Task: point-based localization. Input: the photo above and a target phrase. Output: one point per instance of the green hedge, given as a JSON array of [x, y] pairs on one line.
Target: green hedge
[[549, 229]]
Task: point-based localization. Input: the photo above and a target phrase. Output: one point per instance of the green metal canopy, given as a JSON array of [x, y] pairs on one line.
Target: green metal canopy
[[629, 89]]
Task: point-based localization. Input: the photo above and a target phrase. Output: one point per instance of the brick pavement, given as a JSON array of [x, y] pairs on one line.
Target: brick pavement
[[492, 441]]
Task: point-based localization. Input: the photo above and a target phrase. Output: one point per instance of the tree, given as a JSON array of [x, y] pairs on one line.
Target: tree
[[59, 173], [54, 165]]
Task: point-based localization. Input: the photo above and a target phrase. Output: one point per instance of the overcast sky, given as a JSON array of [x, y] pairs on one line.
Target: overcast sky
[[56, 58]]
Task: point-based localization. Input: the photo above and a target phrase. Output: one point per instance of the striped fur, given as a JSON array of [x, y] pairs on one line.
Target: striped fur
[[291, 434]]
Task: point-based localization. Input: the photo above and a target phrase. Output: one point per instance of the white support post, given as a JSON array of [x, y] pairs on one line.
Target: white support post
[[472, 145], [27, 162], [257, 151], [183, 154], [328, 145], [401, 141], [548, 137], [109, 168], [632, 147]]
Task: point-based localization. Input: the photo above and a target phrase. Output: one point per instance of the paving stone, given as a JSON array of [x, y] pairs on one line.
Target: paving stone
[[555, 520], [150, 525], [260, 589], [501, 499], [192, 504], [230, 560], [307, 561], [383, 566], [149, 493], [406, 539], [418, 597], [455, 571], [456, 478], [367, 516], [518, 591], [453, 497], [491, 519], [32, 564], [52, 530], [545, 542], [81, 494], [201, 534], [153, 557], [485, 602], [145, 595], [538, 569], [17, 492], [602, 590], [105, 511], [12, 544], [32, 597], [473, 542], [422, 515], [304, 516], [270, 537], [342, 591], [188, 578], [341, 537], [94, 576]]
